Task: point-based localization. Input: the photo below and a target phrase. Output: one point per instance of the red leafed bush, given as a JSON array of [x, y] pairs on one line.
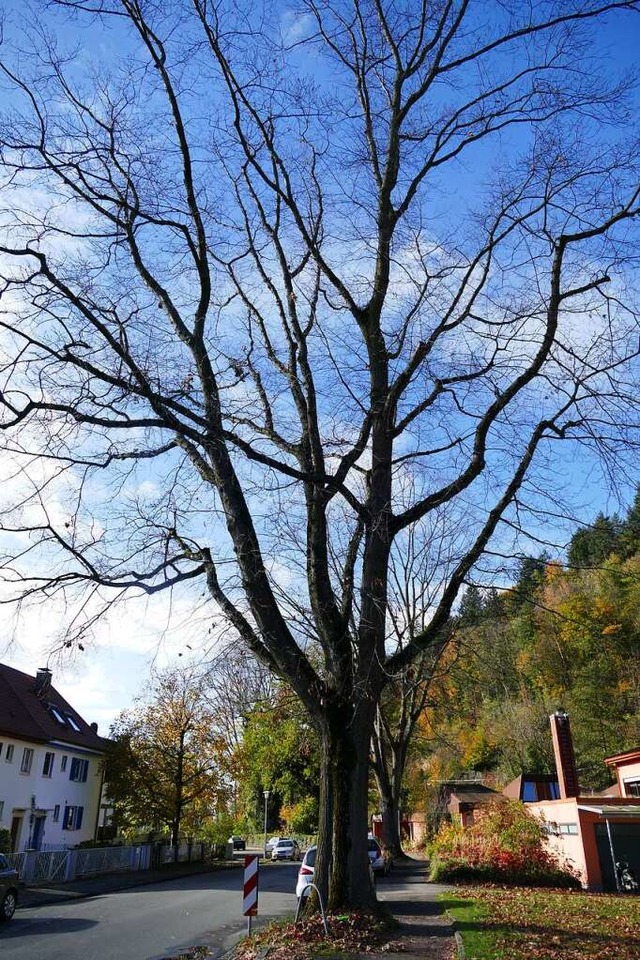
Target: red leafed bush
[[504, 845]]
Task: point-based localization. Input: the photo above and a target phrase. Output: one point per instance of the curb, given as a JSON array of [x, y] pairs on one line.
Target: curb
[[459, 945]]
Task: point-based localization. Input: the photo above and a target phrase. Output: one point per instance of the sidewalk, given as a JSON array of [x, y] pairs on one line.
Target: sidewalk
[[111, 882], [425, 933]]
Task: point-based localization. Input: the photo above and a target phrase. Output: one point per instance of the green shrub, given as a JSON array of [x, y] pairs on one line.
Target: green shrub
[[504, 845]]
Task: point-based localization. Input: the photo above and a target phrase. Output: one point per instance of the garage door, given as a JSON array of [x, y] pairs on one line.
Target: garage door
[[626, 846]]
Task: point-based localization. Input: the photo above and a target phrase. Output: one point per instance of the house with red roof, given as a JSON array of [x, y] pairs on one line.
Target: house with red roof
[[50, 765]]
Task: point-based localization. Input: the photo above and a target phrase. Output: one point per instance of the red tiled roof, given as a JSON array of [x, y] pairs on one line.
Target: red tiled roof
[[25, 715]]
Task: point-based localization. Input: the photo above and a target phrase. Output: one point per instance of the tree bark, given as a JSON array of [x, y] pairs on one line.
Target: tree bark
[[391, 837], [177, 817], [342, 867]]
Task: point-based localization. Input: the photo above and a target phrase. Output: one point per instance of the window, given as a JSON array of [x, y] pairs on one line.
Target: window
[[571, 828], [47, 767], [1, 810], [533, 790], [63, 763], [56, 714], [27, 760], [79, 770], [9, 754], [73, 723], [72, 818], [56, 813], [632, 788]]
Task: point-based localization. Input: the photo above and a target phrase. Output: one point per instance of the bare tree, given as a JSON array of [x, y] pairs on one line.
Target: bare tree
[[416, 568], [236, 685], [277, 285]]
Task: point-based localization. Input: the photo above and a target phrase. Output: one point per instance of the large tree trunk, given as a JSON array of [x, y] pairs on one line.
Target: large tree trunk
[[389, 786], [388, 764], [342, 865], [391, 838], [177, 811]]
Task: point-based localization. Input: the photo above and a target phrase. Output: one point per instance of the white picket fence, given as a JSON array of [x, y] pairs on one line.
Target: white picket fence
[[38, 867]]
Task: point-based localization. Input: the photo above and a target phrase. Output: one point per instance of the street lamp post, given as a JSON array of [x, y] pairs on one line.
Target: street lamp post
[[266, 797]]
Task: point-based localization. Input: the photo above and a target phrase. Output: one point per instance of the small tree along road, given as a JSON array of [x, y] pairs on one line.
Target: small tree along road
[[282, 284], [166, 765]]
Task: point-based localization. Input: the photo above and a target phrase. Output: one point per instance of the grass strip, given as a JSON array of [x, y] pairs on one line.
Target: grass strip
[[470, 918]]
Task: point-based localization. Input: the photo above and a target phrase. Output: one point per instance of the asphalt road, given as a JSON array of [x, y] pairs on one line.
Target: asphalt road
[[149, 922]]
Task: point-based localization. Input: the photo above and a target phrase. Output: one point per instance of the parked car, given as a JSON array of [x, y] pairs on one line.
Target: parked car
[[239, 843], [377, 864], [271, 843], [305, 873], [286, 849], [8, 889]]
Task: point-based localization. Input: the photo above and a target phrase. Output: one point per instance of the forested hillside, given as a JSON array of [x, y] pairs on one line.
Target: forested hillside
[[563, 635]]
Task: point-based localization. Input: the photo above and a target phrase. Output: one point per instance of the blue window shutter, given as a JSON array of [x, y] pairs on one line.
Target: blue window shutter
[[79, 812]]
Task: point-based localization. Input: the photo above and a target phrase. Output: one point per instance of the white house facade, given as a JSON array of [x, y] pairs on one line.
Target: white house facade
[[50, 765]]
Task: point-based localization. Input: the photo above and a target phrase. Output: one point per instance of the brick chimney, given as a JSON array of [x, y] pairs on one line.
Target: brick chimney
[[43, 682], [565, 757]]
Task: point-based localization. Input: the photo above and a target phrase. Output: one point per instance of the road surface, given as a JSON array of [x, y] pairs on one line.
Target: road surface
[[149, 922]]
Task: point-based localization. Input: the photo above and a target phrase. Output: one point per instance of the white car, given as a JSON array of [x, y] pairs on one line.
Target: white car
[[271, 843], [286, 849], [377, 864], [305, 873]]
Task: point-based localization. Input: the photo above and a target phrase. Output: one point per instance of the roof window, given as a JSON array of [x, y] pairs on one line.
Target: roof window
[[56, 714], [65, 719]]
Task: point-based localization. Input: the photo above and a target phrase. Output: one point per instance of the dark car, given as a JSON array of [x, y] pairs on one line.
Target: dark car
[[239, 843], [8, 889]]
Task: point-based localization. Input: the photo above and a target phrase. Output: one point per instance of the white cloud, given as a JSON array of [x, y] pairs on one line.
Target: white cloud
[[295, 27], [133, 639]]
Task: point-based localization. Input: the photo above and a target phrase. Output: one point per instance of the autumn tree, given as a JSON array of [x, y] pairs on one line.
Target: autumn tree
[[166, 766], [278, 284], [279, 753]]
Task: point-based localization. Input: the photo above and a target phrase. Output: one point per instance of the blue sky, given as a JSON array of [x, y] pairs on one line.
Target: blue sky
[[114, 667]]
